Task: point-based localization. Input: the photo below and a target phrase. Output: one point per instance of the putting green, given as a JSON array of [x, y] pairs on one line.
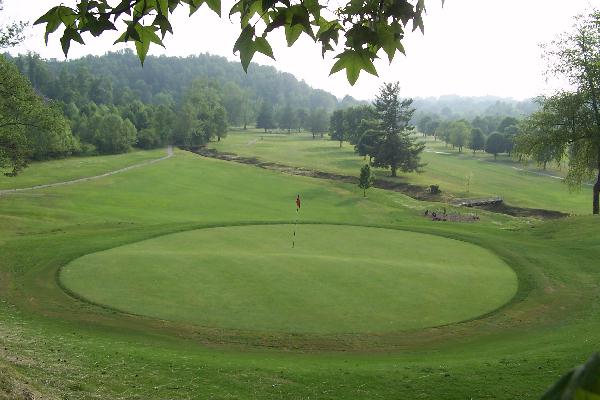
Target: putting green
[[338, 279]]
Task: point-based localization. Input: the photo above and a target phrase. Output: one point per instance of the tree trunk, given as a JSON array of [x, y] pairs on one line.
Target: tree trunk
[[394, 171], [364, 192], [218, 138], [245, 126], [596, 206], [340, 144]]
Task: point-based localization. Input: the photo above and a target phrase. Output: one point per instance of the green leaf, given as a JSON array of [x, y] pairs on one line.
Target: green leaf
[[163, 24], [292, 32], [353, 61], [142, 7], [162, 7], [142, 49], [97, 26], [262, 45], [130, 34], [267, 4], [194, 5], [173, 5], [389, 39], [313, 7], [578, 384], [278, 20], [215, 5], [147, 35], [255, 7], [65, 41], [51, 15], [245, 45]]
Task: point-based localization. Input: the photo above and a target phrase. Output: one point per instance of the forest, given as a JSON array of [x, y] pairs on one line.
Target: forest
[[109, 104]]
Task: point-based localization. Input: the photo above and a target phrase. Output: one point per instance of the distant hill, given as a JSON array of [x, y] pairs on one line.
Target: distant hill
[[115, 74], [452, 107]]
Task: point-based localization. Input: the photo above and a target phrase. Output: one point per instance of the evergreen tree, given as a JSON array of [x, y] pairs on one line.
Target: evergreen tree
[[396, 149]]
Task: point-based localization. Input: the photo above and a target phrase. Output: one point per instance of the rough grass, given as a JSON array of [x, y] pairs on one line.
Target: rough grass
[[339, 279], [71, 349], [40, 173], [458, 174]]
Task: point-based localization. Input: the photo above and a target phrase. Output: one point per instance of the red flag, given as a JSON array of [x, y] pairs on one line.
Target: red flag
[[298, 202]]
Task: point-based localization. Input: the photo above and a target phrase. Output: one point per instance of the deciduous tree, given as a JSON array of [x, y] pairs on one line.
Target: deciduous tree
[[568, 124], [264, 119], [476, 140], [29, 127], [365, 181], [495, 144], [11, 34], [337, 126]]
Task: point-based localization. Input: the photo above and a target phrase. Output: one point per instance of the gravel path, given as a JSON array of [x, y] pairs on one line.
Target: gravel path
[[89, 178]]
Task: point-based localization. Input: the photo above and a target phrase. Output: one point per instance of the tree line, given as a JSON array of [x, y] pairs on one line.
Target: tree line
[[109, 104], [492, 134]]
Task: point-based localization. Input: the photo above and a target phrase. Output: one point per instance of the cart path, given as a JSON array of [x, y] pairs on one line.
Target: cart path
[[90, 178]]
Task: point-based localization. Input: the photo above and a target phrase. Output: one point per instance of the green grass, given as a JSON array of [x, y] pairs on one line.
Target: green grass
[[70, 349], [339, 279], [40, 173], [519, 184]]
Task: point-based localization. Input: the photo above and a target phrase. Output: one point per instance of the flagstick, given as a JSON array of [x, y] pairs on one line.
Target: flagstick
[[295, 223]]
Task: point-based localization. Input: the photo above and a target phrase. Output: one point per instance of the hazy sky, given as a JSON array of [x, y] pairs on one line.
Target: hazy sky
[[470, 47]]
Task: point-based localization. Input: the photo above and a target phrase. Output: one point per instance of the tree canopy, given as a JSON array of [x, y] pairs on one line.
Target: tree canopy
[[29, 127], [367, 27], [568, 124]]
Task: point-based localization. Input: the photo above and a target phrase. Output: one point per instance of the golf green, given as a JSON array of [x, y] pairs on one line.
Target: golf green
[[337, 279]]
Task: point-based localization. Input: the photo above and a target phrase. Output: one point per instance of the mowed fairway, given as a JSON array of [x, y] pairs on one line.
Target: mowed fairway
[[338, 279], [518, 184]]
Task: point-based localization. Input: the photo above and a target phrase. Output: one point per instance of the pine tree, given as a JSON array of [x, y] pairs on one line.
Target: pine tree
[[396, 149]]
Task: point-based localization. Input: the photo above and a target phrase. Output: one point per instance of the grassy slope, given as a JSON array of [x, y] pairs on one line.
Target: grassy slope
[[450, 171], [40, 173], [337, 280], [74, 350]]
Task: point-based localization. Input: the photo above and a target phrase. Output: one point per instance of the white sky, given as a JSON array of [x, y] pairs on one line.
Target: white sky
[[470, 47]]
